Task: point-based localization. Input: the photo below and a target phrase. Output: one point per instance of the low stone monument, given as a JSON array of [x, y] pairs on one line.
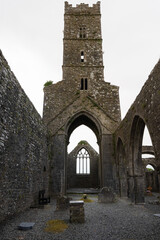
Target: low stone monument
[[77, 212], [106, 195]]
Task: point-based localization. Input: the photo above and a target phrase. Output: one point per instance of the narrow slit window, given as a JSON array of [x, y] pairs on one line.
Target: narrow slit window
[[83, 162], [82, 56], [82, 85], [86, 84], [84, 32]]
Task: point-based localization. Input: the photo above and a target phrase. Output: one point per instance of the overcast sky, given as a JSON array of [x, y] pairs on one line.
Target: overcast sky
[[31, 33]]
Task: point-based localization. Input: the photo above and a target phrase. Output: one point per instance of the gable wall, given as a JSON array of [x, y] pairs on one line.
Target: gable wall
[[83, 180]]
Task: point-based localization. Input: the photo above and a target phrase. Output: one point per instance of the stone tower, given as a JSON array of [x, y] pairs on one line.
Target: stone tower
[[82, 97], [82, 59]]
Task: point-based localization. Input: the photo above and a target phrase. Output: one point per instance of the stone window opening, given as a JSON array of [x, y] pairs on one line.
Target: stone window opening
[[150, 168], [82, 56], [82, 32], [84, 84], [81, 83], [83, 162]]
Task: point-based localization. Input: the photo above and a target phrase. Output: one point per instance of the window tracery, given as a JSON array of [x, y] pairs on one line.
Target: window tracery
[[83, 162]]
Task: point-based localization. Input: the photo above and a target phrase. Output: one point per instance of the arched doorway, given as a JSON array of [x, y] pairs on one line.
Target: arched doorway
[[151, 176], [136, 150], [137, 174], [150, 163], [82, 133], [83, 167], [58, 152]]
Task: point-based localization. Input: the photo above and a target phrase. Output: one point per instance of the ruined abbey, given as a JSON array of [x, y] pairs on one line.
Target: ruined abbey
[[33, 150]]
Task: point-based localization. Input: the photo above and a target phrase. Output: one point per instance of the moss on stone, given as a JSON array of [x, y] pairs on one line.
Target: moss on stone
[[78, 92], [83, 142], [55, 226], [48, 83], [86, 199]]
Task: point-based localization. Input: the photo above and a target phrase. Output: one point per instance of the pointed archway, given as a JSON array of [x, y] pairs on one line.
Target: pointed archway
[[83, 179], [137, 174], [58, 151]]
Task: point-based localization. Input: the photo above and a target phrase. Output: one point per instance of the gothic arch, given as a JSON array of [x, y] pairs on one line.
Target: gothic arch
[[86, 119], [150, 161], [151, 177], [136, 137]]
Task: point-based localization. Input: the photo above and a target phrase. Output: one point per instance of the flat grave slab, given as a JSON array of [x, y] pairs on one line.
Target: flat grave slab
[[26, 226], [157, 215], [76, 202]]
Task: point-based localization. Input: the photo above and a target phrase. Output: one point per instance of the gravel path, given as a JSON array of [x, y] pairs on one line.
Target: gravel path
[[117, 221]]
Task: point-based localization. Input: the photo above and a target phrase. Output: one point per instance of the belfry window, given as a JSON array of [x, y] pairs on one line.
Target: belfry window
[[82, 56], [82, 32], [84, 84], [83, 162]]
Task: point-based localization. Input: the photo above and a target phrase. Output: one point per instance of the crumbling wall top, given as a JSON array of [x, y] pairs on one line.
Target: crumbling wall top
[[82, 8]]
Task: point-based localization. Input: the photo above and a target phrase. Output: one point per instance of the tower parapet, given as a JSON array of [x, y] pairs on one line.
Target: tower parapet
[[82, 9]]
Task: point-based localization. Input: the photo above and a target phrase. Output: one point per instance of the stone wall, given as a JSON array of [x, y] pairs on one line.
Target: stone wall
[[64, 99], [144, 111], [151, 180], [23, 148]]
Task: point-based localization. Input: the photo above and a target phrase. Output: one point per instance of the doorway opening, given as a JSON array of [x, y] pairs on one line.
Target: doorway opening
[[149, 161], [83, 158], [141, 144]]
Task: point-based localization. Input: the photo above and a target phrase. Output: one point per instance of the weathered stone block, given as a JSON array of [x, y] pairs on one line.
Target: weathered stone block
[[77, 212], [62, 202], [106, 195]]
